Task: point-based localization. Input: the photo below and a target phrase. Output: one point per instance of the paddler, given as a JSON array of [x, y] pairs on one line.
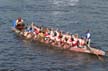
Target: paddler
[[28, 32], [88, 36], [20, 24], [36, 30], [75, 42], [19, 21], [81, 42]]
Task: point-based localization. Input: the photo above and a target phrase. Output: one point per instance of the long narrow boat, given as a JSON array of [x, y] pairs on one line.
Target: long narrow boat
[[90, 50]]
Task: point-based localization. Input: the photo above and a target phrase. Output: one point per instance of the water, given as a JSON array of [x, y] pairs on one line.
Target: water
[[74, 16]]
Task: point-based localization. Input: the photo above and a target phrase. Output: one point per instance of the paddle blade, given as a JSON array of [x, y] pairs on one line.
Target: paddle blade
[[106, 53], [100, 58], [14, 23]]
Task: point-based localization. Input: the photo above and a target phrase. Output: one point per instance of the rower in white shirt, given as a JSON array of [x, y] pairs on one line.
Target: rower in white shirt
[[88, 36]]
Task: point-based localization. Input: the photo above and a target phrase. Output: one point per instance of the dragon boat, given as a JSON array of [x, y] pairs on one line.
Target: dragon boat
[[90, 50]]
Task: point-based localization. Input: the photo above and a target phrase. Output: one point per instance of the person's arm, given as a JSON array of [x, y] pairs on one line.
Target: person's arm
[[16, 21]]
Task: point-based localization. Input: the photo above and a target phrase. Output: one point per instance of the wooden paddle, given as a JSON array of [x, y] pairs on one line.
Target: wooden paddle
[[106, 53], [99, 57]]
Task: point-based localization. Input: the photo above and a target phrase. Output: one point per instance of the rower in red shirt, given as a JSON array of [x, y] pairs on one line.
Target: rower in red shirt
[[75, 41], [20, 24]]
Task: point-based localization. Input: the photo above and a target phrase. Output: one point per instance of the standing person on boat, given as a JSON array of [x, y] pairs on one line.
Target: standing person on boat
[[88, 36], [20, 24]]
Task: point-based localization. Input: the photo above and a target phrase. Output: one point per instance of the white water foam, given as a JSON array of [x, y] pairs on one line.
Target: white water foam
[[65, 2]]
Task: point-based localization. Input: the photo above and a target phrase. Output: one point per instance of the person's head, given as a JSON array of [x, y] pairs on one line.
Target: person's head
[[82, 37], [88, 30], [19, 19], [68, 33], [76, 35]]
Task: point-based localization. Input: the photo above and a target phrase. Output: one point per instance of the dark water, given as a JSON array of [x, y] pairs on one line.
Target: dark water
[[74, 16]]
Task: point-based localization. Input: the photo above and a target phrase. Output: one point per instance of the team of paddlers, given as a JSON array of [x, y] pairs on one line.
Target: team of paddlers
[[51, 36]]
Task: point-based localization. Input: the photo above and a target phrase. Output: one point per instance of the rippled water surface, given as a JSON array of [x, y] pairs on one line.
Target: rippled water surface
[[74, 16]]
